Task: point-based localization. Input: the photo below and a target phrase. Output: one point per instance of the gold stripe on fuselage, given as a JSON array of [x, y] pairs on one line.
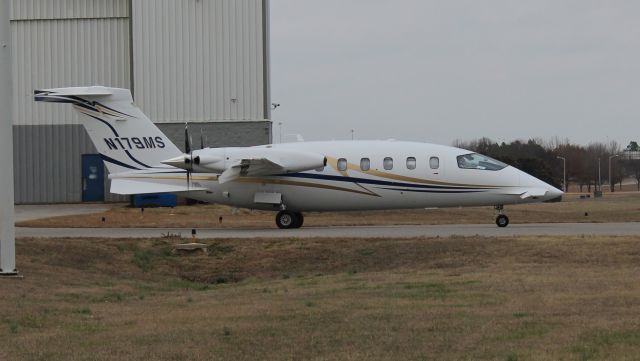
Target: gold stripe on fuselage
[[304, 184]]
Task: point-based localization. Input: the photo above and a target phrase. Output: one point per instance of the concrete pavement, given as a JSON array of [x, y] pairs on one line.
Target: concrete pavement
[[545, 229], [30, 212]]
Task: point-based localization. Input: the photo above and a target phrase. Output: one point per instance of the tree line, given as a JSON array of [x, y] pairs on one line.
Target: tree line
[[541, 159]]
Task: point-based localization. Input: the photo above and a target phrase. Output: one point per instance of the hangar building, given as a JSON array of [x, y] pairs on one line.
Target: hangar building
[[205, 62]]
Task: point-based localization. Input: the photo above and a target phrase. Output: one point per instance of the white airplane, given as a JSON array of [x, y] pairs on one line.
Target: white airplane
[[294, 177]]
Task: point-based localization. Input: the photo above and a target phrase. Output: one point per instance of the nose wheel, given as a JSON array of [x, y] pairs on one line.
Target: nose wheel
[[289, 220], [501, 219]]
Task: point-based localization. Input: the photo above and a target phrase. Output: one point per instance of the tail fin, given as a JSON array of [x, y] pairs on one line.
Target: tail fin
[[125, 138]]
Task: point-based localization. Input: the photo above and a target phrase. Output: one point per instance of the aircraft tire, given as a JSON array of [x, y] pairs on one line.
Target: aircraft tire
[[502, 221], [286, 220], [299, 220]]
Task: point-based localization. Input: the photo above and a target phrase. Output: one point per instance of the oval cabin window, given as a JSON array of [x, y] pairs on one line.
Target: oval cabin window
[[388, 163], [411, 163], [365, 164], [342, 164]]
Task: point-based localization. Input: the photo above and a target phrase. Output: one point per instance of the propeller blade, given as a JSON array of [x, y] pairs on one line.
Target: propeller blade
[[187, 140], [187, 149], [201, 139]]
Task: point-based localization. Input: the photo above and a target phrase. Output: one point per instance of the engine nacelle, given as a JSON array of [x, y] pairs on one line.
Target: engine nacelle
[[293, 162], [259, 160]]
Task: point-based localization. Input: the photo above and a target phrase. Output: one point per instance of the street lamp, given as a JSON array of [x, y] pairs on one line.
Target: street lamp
[[611, 179], [564, 172], [599, 176]]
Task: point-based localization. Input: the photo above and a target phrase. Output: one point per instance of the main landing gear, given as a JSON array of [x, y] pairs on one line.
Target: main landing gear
[[287, 219], [501, 219]]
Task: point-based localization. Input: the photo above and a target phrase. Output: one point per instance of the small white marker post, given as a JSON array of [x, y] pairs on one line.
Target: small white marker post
[[7, 227]]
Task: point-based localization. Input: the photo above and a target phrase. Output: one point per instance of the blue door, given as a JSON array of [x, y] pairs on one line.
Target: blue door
[[92, 178]]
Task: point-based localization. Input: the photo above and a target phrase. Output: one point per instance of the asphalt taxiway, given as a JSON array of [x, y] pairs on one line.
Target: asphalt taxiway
[[402, 231]]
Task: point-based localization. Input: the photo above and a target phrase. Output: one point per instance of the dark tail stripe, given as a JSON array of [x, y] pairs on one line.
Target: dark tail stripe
[[117, 162], [105, 122], [135, 160], [113, 110]]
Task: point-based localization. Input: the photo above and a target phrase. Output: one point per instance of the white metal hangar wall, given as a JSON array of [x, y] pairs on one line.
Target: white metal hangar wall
[[205, 62]]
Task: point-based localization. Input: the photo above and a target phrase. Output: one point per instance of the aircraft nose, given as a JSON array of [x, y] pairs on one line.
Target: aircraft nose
[[550, 192], [553, 192]]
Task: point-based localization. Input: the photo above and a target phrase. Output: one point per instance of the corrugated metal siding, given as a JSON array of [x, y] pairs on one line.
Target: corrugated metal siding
[[68, 9], [56, 44], [48, 165], [50, 171], [199, 60], [221, 134], [60, 53]]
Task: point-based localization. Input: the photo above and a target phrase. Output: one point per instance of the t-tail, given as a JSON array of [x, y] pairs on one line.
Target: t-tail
[[125, 138]]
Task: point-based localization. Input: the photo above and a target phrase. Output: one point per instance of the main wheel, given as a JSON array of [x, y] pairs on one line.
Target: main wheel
[[286, 219], [502, 221], [299, 220]]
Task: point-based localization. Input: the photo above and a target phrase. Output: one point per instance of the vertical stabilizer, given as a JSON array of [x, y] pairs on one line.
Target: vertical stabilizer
[[125, 138]]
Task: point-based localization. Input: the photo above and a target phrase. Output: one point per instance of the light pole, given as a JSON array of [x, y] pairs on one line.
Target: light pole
[[352, 133], [599, 176], [280, 127], [611, 179], [7, 228], [564, 173]]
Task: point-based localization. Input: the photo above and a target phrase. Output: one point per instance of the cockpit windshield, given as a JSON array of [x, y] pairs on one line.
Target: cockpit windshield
[[479, 161]]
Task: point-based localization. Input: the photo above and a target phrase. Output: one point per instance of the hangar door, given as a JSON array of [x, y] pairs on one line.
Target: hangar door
[[92, 178]]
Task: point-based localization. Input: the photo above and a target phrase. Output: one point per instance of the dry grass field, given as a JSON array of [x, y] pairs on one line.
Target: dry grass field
[[619, 207], [458, 298]]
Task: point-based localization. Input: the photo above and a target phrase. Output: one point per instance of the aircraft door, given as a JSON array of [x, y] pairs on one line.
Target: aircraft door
[[92, 178]]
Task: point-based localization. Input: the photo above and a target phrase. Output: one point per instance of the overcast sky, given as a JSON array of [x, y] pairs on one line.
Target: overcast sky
[[441, 70]]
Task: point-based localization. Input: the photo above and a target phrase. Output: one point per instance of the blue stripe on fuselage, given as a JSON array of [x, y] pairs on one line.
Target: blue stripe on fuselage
[[372, 181], [449, 191]]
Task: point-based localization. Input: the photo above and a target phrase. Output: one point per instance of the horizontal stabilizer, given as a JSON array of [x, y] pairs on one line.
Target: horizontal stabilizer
[[134, 186], [52, 94]]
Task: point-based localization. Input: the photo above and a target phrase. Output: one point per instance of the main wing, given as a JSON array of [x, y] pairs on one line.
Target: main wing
[[251, 167]]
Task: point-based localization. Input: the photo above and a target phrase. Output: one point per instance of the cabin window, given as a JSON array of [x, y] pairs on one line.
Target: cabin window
[[479, 161], [434, 162], [411, 163], [387, 163], [342, 164], [365, 164]]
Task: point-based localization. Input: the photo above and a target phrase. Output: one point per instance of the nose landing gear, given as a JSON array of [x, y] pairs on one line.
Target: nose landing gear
[[288, 220], [501, 219]]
